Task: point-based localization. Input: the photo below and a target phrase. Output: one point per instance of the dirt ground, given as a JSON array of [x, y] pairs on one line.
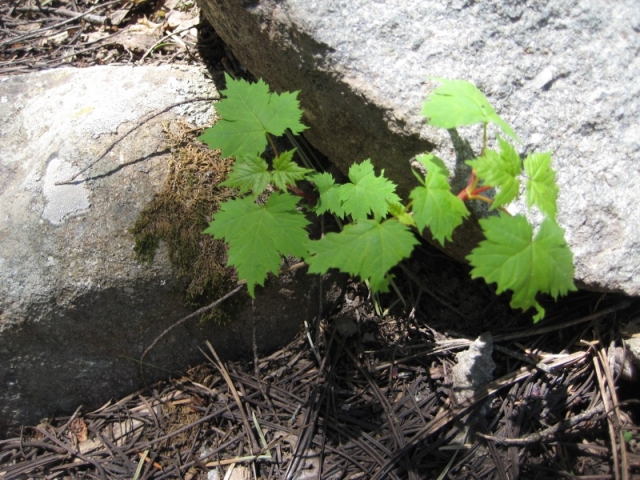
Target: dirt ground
[[439, 379]]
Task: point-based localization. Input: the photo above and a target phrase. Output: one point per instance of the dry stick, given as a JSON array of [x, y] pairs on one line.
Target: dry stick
[[547, 433], [393, 420], [70, 450], [497, 463], [552, 328], [169, 35], [307, 434], [614, 398], [448, 416], [607, 405], [34, 33], [95, 19], [426, 289], [133, 129], [218, 363], [256, 361], [194, 314]]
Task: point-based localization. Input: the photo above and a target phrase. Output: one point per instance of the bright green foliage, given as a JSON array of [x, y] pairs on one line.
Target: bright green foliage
[[286, 171], [258, 235], [367, 193], [329, 200], [250, 174], [368, 248], [456, 103], [541, 186], [500, 170], [400, 212], [248, 113], [434, 205], [516, 261]]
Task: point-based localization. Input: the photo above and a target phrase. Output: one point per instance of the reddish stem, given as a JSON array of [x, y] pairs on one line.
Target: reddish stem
[[478, 191], [311, 199]]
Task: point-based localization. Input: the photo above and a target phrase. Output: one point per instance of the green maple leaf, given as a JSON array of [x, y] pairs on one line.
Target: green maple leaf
[[251, 173], [367, 193], [400, 212], [258, 235], [434, 205], [286, 171], [456, 103], [329, 200], [249, 112], [541, 186], [368, 248], [515, 261], [500, 170]]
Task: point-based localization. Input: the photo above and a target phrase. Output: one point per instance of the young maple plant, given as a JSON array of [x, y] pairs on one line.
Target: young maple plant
[[382, 230]]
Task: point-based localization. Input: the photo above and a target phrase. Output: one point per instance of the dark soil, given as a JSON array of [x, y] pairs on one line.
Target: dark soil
[[367, 390]]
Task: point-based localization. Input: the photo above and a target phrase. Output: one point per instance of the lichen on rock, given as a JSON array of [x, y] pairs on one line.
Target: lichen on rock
[[63, 201]]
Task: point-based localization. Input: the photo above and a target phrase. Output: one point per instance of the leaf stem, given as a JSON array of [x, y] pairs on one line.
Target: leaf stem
[[311, 199], [273, 145], [471, 188], [481, 189], [482, 198], [484, 138]]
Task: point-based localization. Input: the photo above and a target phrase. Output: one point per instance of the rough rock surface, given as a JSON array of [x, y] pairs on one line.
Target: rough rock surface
[[76, 308], [563, 74]]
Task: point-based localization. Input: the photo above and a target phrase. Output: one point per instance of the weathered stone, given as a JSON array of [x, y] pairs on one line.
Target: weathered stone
[[563, 74], [473, 370], [76, 308]]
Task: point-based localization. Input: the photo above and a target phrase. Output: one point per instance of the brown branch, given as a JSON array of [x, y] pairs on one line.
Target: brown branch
[[200, 311], [130, 131], [547, 432], [35, 33], [95, 19]]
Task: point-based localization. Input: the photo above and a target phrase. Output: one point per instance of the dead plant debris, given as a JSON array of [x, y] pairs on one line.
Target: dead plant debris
[[373, 401], [37, 35]]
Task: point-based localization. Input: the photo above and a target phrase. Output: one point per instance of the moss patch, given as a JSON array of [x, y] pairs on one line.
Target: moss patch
[[180, 212]]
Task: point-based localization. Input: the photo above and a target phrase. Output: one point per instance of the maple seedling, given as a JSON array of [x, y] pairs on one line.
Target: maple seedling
[[380, 234]]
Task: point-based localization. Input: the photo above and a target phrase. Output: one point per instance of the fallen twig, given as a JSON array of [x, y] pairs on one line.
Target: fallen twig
[[94, 19], [130, 131], [200, 311], [547, 433]]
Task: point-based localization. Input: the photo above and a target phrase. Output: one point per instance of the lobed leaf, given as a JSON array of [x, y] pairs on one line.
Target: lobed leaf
[[248, 113], [541, 185], [368, 249], [400, 212], [500, 170], [367, 193], [286, 171], [329, 200], [258, 235], [434, 205], [251, 173], [457, 102], [515, 261]]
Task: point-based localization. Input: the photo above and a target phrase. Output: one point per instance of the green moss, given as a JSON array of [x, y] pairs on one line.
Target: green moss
[[178, 215]]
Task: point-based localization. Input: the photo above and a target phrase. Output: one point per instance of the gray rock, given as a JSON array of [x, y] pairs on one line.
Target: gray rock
[[473, 370], [76, 308], [563, 74]]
